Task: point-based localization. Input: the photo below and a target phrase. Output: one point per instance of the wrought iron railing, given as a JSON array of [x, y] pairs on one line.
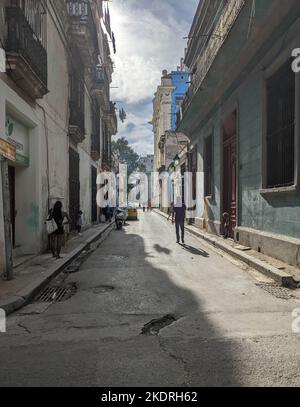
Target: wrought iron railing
[[95, 142], [77, 117], [101, 79], [217, 39], [22, 40]]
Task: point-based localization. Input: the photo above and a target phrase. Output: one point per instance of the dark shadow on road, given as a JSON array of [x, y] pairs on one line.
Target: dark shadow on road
[[193, 250], [161, 249], [143, 288]]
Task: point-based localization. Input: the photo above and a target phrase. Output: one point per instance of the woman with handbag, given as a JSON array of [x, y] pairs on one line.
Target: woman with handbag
[[57, 236]]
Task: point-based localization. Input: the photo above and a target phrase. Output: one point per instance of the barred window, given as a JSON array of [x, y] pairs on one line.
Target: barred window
[[280, 141]]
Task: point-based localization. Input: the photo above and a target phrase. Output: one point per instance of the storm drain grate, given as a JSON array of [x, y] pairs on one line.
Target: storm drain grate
[[57, 294], [153, 327], [278, 292]]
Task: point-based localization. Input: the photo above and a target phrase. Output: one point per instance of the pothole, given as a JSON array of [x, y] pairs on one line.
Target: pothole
[[278, 292], [114, 257], [153, 327], [57, 293], [101, 289]]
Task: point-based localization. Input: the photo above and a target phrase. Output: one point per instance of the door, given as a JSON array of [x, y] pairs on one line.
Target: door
[[230, 171], [74, 187], [12, 202], [94, 195]]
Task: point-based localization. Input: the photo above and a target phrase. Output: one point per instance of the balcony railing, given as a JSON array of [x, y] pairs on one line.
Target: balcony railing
[[100, 87], [83, 27], [95, 146], [217, 39], [76, 123], [26, 55]]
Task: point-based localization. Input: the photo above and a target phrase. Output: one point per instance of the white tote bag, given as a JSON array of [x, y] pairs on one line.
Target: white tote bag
[[51, 226]]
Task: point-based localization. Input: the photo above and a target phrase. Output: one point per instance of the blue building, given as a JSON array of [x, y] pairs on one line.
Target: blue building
[[180, 80]]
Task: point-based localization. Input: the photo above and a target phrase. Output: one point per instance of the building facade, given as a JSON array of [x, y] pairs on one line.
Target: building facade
[[180, 81], [55, 110], [241, 115]]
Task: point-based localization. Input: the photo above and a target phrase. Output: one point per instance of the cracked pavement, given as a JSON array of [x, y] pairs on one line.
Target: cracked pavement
[[228, 331]]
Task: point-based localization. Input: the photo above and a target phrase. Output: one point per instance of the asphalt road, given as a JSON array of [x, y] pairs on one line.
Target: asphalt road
[[227, 330]]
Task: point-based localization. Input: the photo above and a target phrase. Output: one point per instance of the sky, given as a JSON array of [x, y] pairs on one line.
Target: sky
[[149, 38]]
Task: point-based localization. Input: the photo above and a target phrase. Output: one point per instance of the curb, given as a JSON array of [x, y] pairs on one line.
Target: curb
[[29, 292], [280, 277]]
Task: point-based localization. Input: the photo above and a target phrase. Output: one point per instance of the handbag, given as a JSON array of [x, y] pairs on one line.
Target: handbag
[[51, 225]]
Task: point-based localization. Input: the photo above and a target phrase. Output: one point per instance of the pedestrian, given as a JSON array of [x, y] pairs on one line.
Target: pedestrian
[[79, 222], [226, 224], [110, 213], [107, 213], [56, 238], [179, 212], [170, 210]]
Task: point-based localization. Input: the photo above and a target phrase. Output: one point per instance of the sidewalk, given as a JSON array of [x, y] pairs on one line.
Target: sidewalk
[[32, 276], [280, 272]]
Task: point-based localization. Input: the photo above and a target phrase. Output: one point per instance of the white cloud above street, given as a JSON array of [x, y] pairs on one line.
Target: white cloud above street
[[149, 38]]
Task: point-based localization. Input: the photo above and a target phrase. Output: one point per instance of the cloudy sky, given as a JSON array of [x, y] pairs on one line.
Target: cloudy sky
[[149, 37]]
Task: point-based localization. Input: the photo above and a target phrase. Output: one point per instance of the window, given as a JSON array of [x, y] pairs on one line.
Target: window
[[208, 161], [280, 137]]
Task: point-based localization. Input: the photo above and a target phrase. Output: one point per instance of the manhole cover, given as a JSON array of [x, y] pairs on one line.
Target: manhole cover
[[278, 292], [153, 327], [57, 294], [102, 289]]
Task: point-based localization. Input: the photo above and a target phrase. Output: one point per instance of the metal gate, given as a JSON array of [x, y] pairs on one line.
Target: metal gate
[[74, 187], [230, 171]]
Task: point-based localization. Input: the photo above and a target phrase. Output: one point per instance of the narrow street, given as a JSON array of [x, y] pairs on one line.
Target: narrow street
[[222, 329]]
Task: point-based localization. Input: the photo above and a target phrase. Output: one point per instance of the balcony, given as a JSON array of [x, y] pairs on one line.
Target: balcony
[[100, 86], [111, 119], [83, 28], [106, 161], [76, 123], [216, 41], [26, 54], [95, 147]]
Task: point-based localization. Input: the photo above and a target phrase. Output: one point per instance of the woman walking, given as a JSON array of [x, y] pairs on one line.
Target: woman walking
[[57, 237]]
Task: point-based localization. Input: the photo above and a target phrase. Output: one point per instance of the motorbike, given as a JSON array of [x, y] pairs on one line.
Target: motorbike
[[119, 218]]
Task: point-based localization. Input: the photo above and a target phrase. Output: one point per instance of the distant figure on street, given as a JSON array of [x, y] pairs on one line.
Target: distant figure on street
[[79, 222], [170, 210], [226, 224], [179, 212], [149, 206], [57, 237], [108, 213]]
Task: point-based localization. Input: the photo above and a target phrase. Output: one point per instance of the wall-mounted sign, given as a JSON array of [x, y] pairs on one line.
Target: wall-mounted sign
[[7, 150], [17, 135]]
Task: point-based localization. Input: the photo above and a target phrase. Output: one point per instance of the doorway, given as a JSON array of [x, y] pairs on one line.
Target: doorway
[[74, 186], [12, 202], [229, 201]]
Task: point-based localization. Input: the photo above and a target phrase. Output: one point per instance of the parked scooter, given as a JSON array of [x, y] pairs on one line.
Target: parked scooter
[[119, 218]]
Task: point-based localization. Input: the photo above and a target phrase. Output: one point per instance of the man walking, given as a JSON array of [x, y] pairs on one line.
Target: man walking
[[179, 212]]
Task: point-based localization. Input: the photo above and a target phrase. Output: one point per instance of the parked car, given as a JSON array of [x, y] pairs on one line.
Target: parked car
[[132, 213]]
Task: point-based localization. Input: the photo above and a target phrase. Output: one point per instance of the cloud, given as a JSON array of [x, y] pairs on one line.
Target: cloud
[[149, 37]]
